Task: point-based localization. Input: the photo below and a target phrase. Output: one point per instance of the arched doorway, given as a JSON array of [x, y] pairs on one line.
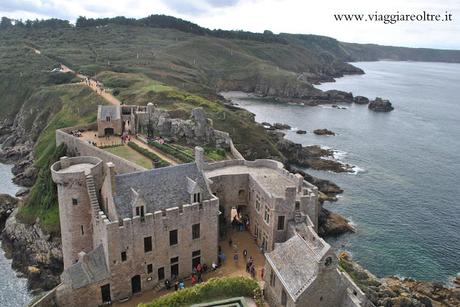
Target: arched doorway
[[108, 131], [136, 284]]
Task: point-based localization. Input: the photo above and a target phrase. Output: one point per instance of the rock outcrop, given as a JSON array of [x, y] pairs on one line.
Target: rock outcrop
[[394, 291], [380, 105], [35, 254], [332, 224], [361, 100], [7, 205], [313, 157], [323, 132], [281, 126], [301, 131]]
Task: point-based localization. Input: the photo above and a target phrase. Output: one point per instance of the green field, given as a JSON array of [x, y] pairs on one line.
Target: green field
[[130, 154]]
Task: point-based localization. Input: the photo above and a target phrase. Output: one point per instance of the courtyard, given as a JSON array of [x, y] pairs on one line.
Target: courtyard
[[241, 240]]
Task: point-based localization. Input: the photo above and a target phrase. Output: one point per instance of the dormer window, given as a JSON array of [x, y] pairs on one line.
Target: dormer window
[[140, 211], [197, 197]]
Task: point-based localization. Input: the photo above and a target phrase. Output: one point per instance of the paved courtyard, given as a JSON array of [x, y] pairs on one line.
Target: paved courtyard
[[240, 241]]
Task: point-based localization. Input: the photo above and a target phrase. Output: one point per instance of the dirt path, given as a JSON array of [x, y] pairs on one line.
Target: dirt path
[[160, 154], [93, 85]]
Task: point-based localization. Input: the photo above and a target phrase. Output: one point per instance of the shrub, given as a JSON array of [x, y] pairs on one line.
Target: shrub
[[213, 289], [158, 162], [176, 153]]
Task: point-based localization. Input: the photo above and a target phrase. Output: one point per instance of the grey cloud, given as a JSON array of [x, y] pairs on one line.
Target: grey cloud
[[43, 7]]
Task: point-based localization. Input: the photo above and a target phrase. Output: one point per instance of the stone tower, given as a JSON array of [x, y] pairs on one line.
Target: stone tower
[[76, 180]]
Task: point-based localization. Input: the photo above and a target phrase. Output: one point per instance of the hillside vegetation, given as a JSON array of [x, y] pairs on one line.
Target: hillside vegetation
[[171, 62]]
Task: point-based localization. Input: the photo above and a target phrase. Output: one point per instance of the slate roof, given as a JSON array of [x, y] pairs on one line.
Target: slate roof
[[112, 111], [295, 264], [92, 269], [159, 188]]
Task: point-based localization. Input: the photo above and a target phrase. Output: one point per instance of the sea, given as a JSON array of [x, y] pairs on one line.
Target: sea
[[402, 196], [13, 290]]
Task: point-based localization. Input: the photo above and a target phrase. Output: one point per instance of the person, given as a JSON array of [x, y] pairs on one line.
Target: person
[[193, 279], [181, 284], [176, 285], [199, 268], [235, 257], [214, 266], [245, 253], [262, 271], [199, 277], [167, 284], [205, 267], [230, 242], [253, 271]]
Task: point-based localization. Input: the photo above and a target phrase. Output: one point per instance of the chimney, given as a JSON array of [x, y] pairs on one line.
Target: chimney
[[199, 157], [299, 182]]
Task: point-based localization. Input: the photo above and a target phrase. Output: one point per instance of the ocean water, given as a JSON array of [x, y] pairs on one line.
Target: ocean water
[[13, 290], [403, 197]]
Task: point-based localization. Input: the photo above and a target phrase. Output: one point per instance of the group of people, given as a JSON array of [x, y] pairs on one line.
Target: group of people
[[98, 85], [76, 133], [250, 265], [196, 277], [240, 224], [125, 138]]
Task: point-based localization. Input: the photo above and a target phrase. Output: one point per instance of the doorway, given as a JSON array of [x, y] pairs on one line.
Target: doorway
[[108, 131], [136, 284], [105, 293]]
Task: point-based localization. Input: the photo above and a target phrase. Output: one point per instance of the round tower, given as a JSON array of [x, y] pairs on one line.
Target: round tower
[[77, 180]]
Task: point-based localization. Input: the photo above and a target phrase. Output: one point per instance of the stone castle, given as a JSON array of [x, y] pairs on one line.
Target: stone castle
[[126, 229]]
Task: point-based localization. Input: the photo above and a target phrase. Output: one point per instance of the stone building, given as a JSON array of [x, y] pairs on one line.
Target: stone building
[[125, 232], [152, 121]]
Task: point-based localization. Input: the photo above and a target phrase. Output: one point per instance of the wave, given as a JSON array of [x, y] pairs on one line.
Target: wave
[[356, 170]]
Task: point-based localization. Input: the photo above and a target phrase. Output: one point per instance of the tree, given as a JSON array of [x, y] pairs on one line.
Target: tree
[[5, 23]]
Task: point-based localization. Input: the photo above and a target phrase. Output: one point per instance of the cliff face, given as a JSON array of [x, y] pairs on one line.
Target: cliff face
[[35, 254]]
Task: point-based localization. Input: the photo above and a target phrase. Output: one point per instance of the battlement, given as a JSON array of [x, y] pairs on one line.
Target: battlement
[[76, 168]]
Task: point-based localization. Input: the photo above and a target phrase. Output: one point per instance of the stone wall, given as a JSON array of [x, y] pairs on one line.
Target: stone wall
[[78, 147], [129, 238]]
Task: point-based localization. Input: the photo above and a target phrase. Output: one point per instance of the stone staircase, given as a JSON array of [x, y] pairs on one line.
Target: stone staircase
[[92, 196]]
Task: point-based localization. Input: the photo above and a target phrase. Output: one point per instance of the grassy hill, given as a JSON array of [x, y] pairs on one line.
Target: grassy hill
[[173, 63]]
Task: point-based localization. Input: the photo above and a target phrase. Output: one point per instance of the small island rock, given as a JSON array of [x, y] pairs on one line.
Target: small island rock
[[360, 100], [280, 126], [323, 132], [301, 132], [380, 105]]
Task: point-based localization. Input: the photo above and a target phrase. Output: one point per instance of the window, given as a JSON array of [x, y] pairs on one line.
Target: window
[[195, 231], [107, 118], [257, 205], [272, 278], [123, 256], [281, 222], [283, 298], [297, 205], [140, 211], [149, 268], [173, 237], [82, 231], [174, 260], [74, 201], [147, 244], [197, 197], [161, 273], [267, 215]]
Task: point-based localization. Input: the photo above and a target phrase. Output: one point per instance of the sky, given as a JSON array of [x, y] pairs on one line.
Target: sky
[[291, 16]]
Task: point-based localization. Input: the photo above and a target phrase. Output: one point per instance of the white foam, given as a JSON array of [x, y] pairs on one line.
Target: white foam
[[356, 169], [339, 154]]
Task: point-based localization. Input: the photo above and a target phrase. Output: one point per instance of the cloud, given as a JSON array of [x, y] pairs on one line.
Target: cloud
[[292, 16]]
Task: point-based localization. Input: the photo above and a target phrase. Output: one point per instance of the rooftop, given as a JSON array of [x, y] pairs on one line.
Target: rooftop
[[76, 168], [295, 264], [92, 269], [271, 180], [160, 188], [108, 111]]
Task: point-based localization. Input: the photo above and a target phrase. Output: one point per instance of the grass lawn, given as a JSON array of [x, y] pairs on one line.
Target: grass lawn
[[130, 154]]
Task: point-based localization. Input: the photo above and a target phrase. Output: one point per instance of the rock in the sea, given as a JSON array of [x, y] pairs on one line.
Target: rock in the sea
[[7, 204], [22, 192], [332, 224], [323, 132], [380, 105], [361, 100], [281, 126], [301, 132]]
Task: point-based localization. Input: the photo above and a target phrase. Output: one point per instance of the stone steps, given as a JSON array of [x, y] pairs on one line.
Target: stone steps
[[93, 196]]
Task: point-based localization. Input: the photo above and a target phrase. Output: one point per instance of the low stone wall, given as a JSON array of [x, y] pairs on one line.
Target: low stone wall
[[47, 300], [78, 147]]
